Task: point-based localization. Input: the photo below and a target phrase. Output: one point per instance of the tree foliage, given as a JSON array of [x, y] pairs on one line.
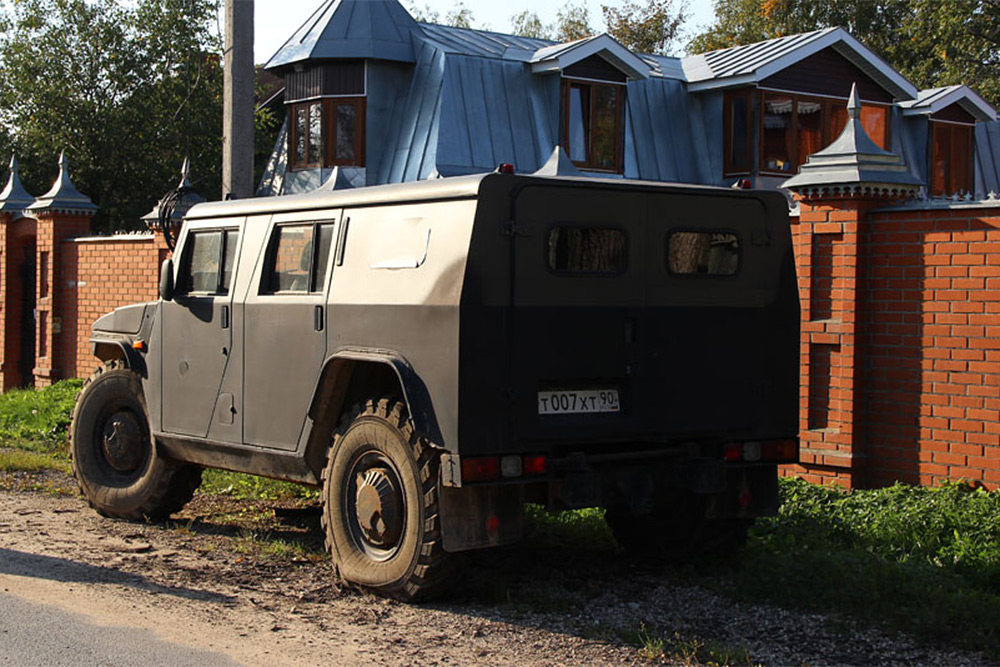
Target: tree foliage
[[931, 42], [650, 28], [126, 89], [527, 24], [573, 23], [460, 16]]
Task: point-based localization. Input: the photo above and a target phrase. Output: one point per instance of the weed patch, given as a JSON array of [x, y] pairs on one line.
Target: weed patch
[[16, 460], [252, 487], [37, 420], [922, 560], [676, 647]]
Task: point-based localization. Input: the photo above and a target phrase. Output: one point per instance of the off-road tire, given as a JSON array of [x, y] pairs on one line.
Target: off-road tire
[[138, 483], [677, 532], [414, 565]]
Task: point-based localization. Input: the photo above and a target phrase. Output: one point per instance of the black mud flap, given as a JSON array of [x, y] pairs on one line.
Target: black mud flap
[[475, 517]]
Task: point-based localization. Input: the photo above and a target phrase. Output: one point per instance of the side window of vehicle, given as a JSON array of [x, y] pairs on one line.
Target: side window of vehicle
[[703, 253], [207, 263], [298, 259], [593, 250]]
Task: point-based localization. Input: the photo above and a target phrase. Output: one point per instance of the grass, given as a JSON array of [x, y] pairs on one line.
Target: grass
[[37, 420], [921, 560], [655, 645], [16, 460], [251, 487]]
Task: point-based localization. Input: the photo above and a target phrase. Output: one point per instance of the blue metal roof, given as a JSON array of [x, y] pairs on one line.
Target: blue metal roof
[[932, 100], [741, 65], [467, 100], [483, 43], [378, 29]]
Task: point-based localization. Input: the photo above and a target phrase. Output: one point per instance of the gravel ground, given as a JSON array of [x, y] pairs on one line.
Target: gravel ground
[[213, 578]]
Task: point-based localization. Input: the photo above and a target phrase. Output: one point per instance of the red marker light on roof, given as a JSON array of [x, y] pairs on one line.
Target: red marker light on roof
[[505, 168]]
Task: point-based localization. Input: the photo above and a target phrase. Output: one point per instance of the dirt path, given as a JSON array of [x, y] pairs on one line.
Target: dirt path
[[204, 582]]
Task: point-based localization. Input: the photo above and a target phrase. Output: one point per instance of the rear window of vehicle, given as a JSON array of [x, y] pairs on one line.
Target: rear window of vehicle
[[594, 250], [703, 253]]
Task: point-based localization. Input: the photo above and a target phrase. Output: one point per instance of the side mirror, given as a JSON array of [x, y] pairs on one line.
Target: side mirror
[[167, 280]]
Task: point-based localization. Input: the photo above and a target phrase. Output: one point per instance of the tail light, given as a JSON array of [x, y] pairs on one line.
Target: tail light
[[481, 469], [487, 468]]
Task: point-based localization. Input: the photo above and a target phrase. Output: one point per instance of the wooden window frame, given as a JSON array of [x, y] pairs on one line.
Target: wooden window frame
[[329, 159], [829, 134], [948, 176], [729, 169], [588, 164]]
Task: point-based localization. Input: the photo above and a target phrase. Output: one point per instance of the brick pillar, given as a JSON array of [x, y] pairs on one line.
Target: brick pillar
[[829, 250], [52, 289], [836, 188], [62, 213]]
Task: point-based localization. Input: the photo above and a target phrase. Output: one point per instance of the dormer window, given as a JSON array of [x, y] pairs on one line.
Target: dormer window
[[952, 150], [790, 128], [592, 124], [326, 116]]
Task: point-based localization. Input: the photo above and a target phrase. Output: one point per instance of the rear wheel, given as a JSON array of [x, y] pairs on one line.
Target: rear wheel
[[676, 531], [380, 505], [115, 462]]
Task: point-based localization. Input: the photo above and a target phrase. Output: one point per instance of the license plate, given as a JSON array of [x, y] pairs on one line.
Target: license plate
[[581, 401]]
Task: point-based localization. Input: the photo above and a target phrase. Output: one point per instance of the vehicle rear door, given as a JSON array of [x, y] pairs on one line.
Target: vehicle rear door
[[578, 297], [645, 313], [285, 321]]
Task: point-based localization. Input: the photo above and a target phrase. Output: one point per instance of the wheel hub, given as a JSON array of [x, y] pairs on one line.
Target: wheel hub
[[123, 441], [379, 507]]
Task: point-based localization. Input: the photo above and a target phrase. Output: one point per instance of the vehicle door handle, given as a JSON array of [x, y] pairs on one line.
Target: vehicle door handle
[[318, 318], [224, 318]]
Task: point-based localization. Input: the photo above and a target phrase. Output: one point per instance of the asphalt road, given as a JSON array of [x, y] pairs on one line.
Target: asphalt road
[[34, 634]]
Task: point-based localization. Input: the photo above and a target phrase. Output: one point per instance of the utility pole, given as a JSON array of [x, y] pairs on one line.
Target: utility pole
[[237, 113]]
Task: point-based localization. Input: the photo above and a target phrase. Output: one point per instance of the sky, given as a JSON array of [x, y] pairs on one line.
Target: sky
[[276, 20]]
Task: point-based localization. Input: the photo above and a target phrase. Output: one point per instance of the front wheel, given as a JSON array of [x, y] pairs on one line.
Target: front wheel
[[115, 462], [380, 505]]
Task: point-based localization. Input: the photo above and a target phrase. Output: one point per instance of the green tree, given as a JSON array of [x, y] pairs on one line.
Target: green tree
[[931, 42], [653, 28], [573, 22], [527, 24], [460, 16], [126, 89]]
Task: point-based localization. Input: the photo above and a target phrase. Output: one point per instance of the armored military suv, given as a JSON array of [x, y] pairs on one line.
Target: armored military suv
[[434, 355]]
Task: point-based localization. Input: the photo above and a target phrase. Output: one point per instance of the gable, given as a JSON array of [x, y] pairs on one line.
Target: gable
[[827, 73], [954, 113], [596, 68]]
